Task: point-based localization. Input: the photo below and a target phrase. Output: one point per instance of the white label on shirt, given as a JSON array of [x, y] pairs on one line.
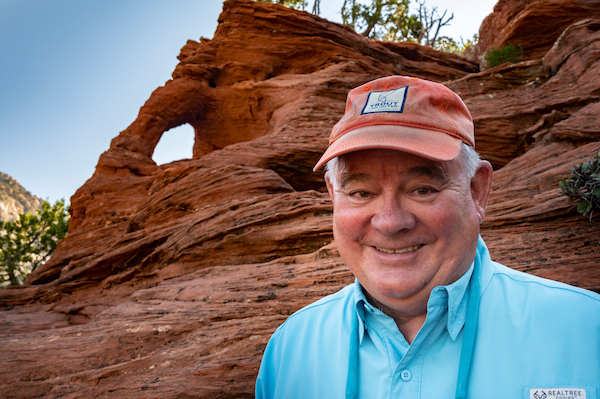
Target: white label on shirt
[[385, 101], [557, 393]]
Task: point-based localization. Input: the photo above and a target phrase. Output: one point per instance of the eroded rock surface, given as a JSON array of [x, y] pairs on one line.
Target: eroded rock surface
[[174, 276], [535, 24]]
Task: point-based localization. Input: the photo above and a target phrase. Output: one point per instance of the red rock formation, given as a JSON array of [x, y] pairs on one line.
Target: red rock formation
[[173, 277], [536, 24]]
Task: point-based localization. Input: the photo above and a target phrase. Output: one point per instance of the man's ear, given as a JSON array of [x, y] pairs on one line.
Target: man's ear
[[329, 186], [480, 188]]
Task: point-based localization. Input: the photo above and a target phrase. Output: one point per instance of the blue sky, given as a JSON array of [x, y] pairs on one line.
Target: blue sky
[[74, 73]]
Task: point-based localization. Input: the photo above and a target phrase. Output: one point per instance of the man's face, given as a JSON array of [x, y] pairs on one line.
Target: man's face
[[405, 224]]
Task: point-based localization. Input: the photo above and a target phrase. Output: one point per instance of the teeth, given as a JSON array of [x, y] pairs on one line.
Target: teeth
[[399, 251]]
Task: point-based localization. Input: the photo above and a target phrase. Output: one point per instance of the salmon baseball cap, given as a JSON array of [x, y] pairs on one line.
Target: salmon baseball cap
[[405, 114]]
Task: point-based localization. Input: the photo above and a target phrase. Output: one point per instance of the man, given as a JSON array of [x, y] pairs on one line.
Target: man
[[430, 315]]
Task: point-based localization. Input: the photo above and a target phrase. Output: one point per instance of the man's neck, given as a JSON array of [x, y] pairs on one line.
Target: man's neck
[[410, 327], [409, 323]]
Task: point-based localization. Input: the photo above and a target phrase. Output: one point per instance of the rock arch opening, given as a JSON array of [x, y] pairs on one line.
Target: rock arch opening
[[174, 145]]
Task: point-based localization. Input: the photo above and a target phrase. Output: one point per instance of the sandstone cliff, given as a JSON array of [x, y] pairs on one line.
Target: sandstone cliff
[[536, 24], [15, 199], [173, 277]]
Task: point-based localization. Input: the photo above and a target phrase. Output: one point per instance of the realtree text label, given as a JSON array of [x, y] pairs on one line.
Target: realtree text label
[[557, 393]]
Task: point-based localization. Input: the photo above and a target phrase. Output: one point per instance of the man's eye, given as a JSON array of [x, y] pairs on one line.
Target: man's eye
[[360, 194], [424, 190]]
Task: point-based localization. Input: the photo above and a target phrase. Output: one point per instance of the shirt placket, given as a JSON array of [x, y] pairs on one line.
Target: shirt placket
[[408, 375]]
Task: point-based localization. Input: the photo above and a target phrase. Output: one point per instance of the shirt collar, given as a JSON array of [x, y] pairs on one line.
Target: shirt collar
[[359, 304], [453, 296], [457, 296]]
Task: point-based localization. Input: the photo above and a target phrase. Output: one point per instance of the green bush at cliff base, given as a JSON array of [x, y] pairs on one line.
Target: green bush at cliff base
[[29, 241], [583, 186], [509, 53]]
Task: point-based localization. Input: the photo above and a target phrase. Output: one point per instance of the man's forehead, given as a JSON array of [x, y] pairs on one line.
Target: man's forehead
[[364, 165]]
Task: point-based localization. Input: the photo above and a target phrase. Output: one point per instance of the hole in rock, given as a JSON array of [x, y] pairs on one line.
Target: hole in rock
[[175, 144]]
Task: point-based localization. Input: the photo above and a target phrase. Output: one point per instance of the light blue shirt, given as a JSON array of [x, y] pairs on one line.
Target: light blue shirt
[[534, 337]]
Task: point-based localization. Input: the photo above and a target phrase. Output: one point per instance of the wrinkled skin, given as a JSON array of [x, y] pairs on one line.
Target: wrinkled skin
[[405, 225]]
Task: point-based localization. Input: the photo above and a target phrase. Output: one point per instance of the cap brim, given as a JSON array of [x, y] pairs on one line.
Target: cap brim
[[431, 144]]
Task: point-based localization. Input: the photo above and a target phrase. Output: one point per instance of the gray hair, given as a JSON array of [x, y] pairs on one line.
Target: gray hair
[[469, 158]]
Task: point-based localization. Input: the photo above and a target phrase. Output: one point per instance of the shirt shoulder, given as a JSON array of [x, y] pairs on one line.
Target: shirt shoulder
[[332, 306], [312, 342], [533, 283], [521, 293], [539, 332]]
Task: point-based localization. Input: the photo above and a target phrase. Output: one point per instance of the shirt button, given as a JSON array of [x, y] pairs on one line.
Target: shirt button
[[406, 375]]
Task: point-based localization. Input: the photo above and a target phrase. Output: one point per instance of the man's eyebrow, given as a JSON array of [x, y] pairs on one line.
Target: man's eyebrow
[[350, 177], [437, 172]]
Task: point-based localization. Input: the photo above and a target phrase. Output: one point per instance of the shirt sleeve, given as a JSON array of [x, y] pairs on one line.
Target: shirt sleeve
[[267, 374]]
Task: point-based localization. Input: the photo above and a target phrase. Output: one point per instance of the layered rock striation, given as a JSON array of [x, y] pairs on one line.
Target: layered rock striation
[[535, 24], [173, 277]]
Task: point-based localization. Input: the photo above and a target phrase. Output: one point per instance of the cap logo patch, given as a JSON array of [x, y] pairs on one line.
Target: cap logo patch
[[386, 101]]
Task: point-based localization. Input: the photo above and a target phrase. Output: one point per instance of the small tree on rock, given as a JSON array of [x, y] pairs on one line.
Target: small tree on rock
[[428, 25], [29, 241], [295, 4], [382, 19]]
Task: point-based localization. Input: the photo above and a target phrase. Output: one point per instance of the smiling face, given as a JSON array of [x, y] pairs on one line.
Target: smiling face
[[405, 224]]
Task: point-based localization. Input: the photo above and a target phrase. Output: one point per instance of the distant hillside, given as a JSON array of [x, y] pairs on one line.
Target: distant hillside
[[14, 199]]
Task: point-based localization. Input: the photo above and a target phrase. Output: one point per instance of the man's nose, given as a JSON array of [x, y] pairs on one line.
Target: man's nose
[[392, 216]]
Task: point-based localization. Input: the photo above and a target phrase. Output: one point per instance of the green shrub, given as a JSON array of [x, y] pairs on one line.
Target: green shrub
[[509, 53], [584, 186], [30, 240]]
